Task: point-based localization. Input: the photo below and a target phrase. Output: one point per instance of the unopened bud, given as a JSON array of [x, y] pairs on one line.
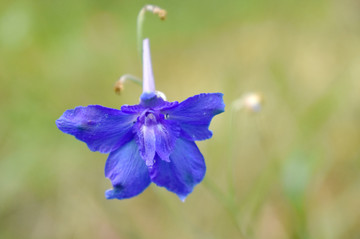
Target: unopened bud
[[251, 102]]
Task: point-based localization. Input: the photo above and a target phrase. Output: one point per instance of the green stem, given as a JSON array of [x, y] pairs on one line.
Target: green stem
[[230, 166], [227, 202], [139, 29]]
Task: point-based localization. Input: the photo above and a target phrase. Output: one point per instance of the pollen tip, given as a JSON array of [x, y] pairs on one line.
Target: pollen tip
[[156, 10], [162, 14], [119, 84], [118, 87]]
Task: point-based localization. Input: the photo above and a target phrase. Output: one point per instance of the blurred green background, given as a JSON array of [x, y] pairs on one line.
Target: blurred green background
[[290, 171]]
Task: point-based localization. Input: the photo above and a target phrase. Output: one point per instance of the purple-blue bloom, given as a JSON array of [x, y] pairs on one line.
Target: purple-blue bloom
[[149, 142]]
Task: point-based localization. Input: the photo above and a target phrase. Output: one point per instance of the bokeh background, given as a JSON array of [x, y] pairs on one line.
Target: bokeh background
[[288, 171]]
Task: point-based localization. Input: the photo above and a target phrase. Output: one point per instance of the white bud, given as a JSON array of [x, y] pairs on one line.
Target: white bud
[[250, 101]]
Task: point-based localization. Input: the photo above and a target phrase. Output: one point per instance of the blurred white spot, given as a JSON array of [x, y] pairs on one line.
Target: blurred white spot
[[161, 95], [249, 101]]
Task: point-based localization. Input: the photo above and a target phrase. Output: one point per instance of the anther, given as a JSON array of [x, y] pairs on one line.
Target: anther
[[119, 84], [156, 10], [140, 21]]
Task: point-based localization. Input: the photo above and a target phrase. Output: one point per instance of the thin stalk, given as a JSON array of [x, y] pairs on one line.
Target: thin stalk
[[141, 19]]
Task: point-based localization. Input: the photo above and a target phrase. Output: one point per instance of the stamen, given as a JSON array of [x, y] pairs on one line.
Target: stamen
[[144, 50], [156, 10], [119, 84], [140, 21]]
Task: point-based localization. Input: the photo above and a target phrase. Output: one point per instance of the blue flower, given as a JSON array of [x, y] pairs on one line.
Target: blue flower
[[149, 142]]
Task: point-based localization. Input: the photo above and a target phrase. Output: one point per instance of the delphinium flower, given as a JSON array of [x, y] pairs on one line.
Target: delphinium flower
[[152, 141]]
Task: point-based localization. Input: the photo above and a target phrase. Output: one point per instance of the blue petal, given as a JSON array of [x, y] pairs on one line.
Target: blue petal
[[147, 143], [158, 136], [167, 133], [132, 109], [127, 172], [154, 101], [195, 113], [102, 129], [185, 169]]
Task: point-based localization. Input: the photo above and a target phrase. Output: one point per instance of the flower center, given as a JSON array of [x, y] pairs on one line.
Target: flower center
[[150, 118]]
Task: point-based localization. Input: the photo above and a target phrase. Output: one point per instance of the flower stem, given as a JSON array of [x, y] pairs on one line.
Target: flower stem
[[228, 203]]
